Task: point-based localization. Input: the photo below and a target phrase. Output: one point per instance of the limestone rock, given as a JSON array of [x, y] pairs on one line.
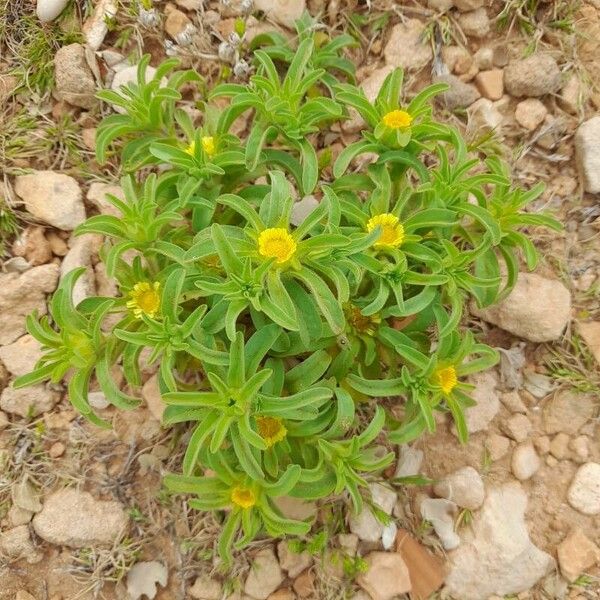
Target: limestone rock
[[293, 563], [587, 152], [125, 77], [75, 82], [365, 525], [152, 397], [479, 416], [21, 356], [460, 94], [440, 513], [97, 196], [533, 76], [464, 486], [53, 198], [512, 401], [490, 83], [567, 411], [484, 116], [475, 23], [284, 12], [386, 576], [457, 59], [33, 246], [576, 554], [296, 508], [570, 95], [407, 46], [409, 461], [530, 113], [559, 446], [518, 427], [96, 27], [497, 556], [265, 575], [497, 446], [76, 519], [48, 10], [80, 255], [143, 578], [590, 333], [179, 26], [525, 462], [206, 588], [28, 402], [584, 491], [302, 209], [537, 309], [16, 543], [441, 5]]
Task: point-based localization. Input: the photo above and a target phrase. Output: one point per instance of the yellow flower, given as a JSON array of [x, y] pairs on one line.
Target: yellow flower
[[446, 378], [191, 149], [242, 496], [145, 299], [271, 429], [397, 119], [361, 323], [208, 145], [277, 243], [392, 232]]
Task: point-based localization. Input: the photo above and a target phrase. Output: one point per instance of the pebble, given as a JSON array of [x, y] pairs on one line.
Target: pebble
[[28, 402], [348, 543], [484, 116], [16, 543], [58, 246], [559, 446], [179, 26], [76, 519], [464, 487], [56, 450], [467, 5], [304, 584], [542, 444], [484, 58], [33, 245], [499, 557], [518, 427], [457, 59], [441, 513], [525, 462], [530, 113], [587, 153], [576, 554], [21, 356], [537, 309], [490, 83], [570, 95], [479, 416], [440, 5], [80, 254], [409, 461], [75, 82], [568, 411], [143, 578], [386, 576], [497, 446], [48, 10], [533, 76], [284, 12], [584, 491], [265, 575], [407, 47], [513, 402], [459, 94], [475, 23], [580, 448], [293, 563], [53, 198], [96, 27]]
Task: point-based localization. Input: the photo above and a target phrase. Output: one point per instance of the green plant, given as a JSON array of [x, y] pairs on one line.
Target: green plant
[[273, 331]]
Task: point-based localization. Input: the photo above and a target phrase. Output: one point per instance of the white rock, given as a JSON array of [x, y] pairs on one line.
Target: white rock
[[576, 554], [587, 152], [535, 75], [464, 487], [479, 416], [265, 575], [48, 10], [20, 295], [525, 462], [530, 113], [365, 525], [206, 588], [28, 402], [98, 400], [16, 543], [53, 198], [126, 76], [497, 446], [302, 209], [295, 508], [96, 27], [584, 491], [25, 496], [407, 46], [293, 563], [21, 356], [559, 447], [475, 23], [440, 513], [80, 255], [512, 401], [409, 461], [518, 427], [97, 196], [77, 519], [496, 555], [75, 82], [568, 410], [383, 496], [537, 309], [284, 12], [484, 116], [570, 95], [388, 537], [143, 578], [386, 577]]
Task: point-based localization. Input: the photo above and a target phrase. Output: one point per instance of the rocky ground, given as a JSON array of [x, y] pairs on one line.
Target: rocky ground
[[515, 513]]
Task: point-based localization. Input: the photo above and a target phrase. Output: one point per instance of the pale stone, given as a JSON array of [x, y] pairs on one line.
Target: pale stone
[[33, 245], [568, 411], [28, 402], [559, 446], [21, 356], [584, 491], [441, 5], [296, 508], [512, 401], [587, 152], [126, 76], [407, 46], [484, 116], [490, 83], [265, 575], [484, 58], [16, 543], [97, 196], [530, 113], [518, 427], [497, 446], [525, 462], [284, 12], [54, 198], [479, 416], [440, 513], [497, 556], [365, 525], [177, 23], [590, 333], [80, 254], [302, 209], [386, 576], [533, 76], [576, 554], [457, 59], [409, 461], [48, 10], [467, 5], [580, 447], [475, 23], [383, 496], [464, 487], [96, 27], [293, 563], [348, 543], [206, 588], [75, 82], [77, 519], [570, 93], [460, 94], [537, 309], [143, 578], [152, 397]]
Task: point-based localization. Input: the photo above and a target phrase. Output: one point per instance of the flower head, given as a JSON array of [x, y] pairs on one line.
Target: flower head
[[208, 145], [361, 323], [191, 149], [397, 119], [145, 299], [446, 378], [392, 232], [242, 496], [276, 242], [271, 429]]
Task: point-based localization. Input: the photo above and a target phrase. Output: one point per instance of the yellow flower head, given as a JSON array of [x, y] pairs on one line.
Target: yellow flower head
[[397, 119], [191, 149], [145, 299], [392, 232], [446, 378], [242, 496], [360, 323], [276, 242], [208, 145], [271, 429]]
